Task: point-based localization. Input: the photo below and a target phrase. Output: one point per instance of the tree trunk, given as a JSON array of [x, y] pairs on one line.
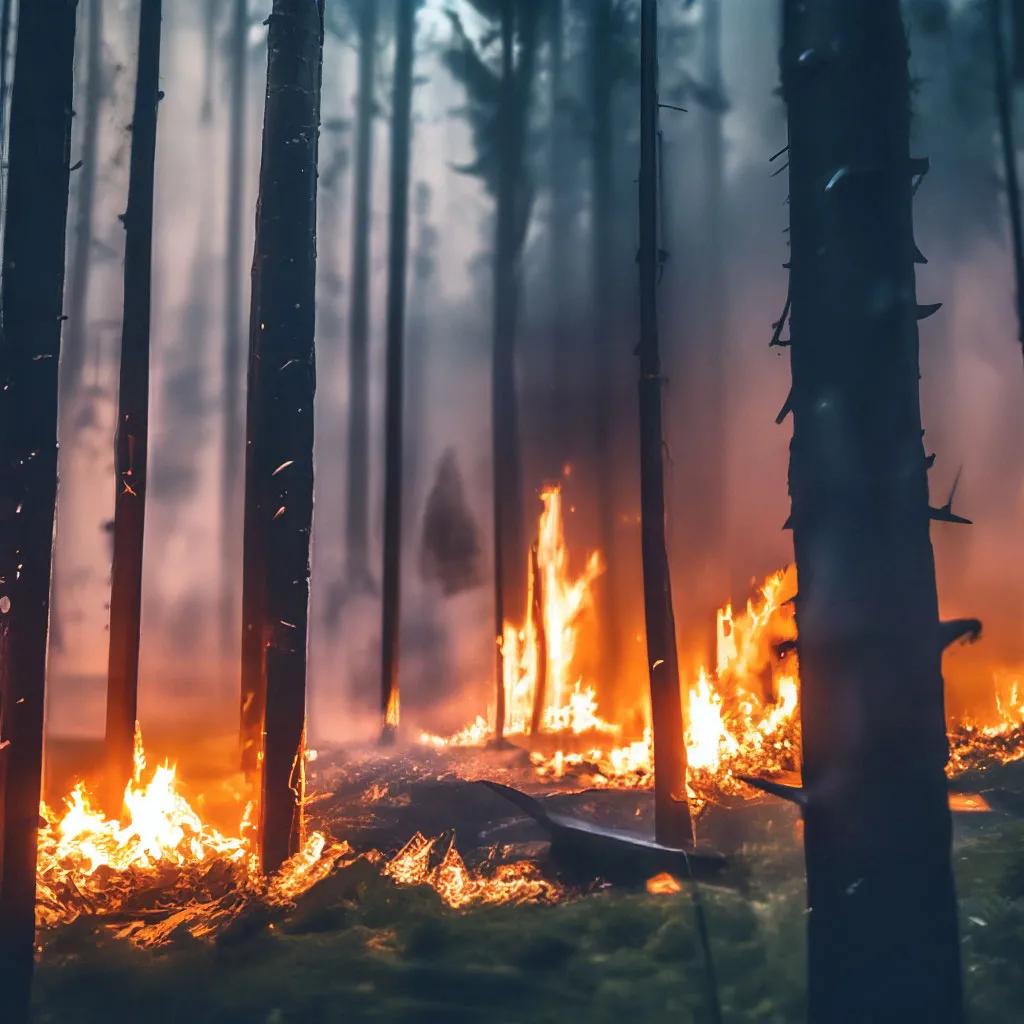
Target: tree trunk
[[560, 440], [882, 928], [401, 132], [1017, 13], [233, 331], [601, 248], [210, 15], [513, 202], [1004, 110], [132, 440], [672, 823], [33, 287], [72, 363], [5, 78], [282, 383], [357, 530]]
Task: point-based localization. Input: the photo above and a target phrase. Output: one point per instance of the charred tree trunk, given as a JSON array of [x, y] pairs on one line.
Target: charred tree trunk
[[672, 823], [33, 289], [132, 441], [72, 363], [513, 201], [602, 246], [882, 932], [561, 422], [401, 133], [282, 383], [1004, 110], [233, 331], [357, 529]]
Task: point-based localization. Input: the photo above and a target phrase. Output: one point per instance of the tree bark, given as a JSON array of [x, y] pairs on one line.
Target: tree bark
[[357, 530], [132, 440], [282, 382], [672, 822], [398, 243], [33, 287], [233, 330], [602, 245], [882, 928], [1004, 111]]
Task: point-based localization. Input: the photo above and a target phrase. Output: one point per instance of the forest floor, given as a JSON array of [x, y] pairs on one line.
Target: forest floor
[[359, 948]]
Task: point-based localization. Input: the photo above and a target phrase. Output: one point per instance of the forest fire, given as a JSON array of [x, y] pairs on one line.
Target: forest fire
[[742, 717], [161, 862]]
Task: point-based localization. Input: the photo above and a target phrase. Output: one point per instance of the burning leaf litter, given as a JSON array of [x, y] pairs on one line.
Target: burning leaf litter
[[162, 869]]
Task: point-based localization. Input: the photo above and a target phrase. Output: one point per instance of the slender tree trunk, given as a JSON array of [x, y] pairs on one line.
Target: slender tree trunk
[[882, 927], [72, 363], [211, 11], [357, 530], [602, 246], [1017, 14], [710, 536], [1004, 110], [33, 288], [401, 132], [131, 446], [560, 419], [280, 467], [233, 330], [672, 823]]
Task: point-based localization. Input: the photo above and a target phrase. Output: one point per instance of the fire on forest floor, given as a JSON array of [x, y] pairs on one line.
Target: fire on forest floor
[[742, 716], [161, 869]]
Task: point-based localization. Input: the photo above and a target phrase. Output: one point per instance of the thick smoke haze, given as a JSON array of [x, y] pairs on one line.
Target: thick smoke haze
[[972, 377]]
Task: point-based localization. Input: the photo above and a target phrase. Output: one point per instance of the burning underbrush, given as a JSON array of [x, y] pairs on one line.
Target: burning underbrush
[[161, 872], [742, 715]]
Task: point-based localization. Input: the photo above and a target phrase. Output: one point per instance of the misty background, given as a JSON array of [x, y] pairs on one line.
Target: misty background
[[722, 289]]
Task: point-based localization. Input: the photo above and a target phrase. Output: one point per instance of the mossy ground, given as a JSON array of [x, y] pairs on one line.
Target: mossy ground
[[359, 949]]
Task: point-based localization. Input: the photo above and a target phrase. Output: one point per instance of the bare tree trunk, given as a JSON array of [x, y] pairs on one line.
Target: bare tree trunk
[[33, 289], [72, 363], [882, 927], [672, 823], [398, 244], [233, 331], [282, 384], [131, 446], [211, 12], [602, 244], [1004, 110], [357, 530]]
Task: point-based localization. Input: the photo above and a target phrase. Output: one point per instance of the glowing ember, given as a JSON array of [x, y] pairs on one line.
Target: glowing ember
[[520, 882], [663, 885]]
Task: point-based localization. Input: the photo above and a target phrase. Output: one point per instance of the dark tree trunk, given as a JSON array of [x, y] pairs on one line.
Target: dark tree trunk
[[1017, 12], [132, 441], [398, 243], [33, 287], [882, 928], [560, 441], [601, 248], [512, 216], [1004, 110], [73, 354], [5, 56], [233, 331], [357, 530], [282, 383], [672, 823]]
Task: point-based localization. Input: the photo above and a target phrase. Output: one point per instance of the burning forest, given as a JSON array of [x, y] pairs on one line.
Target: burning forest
[[541, 713]]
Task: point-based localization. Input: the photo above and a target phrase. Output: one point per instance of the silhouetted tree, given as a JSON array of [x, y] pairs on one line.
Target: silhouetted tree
[[672, 823], [279, 464], [33, 287], [132, 441], [398, 244], [233, 331], [357, 529], [882, 928]]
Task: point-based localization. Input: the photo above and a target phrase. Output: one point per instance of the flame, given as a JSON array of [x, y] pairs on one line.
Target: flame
[[162, 848], [663, 884]]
